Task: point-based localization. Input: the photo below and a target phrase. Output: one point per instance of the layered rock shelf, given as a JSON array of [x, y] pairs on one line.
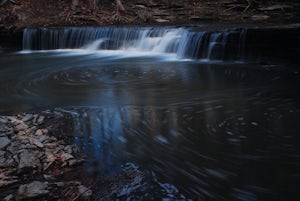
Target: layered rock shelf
[[33, 156]]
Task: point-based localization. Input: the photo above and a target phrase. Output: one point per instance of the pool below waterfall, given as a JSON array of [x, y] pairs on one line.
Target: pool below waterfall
[[208, 114]]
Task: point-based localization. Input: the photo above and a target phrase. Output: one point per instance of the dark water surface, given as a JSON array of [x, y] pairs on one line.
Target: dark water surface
[[210, 130]]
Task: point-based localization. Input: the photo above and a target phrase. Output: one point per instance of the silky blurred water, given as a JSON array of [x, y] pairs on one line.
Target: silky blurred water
[[211, 130]]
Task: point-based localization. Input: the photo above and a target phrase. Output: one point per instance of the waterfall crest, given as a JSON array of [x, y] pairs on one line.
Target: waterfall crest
[[181, 41]]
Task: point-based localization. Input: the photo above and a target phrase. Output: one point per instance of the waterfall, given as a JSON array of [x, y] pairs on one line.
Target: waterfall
[[181, 41]]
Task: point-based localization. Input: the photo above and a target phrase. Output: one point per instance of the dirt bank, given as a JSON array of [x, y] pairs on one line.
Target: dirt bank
[[17, 14]]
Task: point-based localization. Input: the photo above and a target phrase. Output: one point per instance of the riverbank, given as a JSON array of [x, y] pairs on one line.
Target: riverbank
[[39, 162], [24, 13]]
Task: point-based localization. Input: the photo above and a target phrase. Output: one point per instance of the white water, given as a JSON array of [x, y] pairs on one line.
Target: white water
[[171, 43]]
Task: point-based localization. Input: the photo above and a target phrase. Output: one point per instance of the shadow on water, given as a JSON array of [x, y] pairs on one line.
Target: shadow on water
[[206, 129]]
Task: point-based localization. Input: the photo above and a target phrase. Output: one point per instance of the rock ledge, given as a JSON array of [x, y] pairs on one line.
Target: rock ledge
[[34, 155]]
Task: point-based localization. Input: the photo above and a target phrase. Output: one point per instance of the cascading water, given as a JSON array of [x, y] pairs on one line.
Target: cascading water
[[182, 42]]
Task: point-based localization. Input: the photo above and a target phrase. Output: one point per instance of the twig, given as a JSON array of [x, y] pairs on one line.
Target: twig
[[68, 16], [248, 6], [13, 2], [120, 6], [232, 7]]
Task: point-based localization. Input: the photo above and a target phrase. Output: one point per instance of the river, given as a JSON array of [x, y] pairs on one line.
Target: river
[[186, 106]]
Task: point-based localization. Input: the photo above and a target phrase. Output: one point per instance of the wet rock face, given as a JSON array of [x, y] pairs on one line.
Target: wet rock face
[[28, 150]]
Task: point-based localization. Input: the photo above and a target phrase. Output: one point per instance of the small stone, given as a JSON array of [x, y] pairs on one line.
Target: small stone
[[20, 133], [35, 142], [32, 190], [51, 139], [13, 148], [162, 20], [68, 149], [64, 164], [3, 120], [59, 148], [21, 127], [260, 17], [84, 191], [39, 132], [12, 119], [66, 156], [29, 161], [4, 131], [2, 159], [51, 145], [254, 123], [27, 117], [48, 176], [33, 129], [4, 142], [42, 138], [60, 184], [40, 120], [30, 146], [50, 158], [141, 6], [72, 162], [23, 139]]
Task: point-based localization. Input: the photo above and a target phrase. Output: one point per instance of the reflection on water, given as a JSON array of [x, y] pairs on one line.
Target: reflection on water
[[210, 150], [214, 130]]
